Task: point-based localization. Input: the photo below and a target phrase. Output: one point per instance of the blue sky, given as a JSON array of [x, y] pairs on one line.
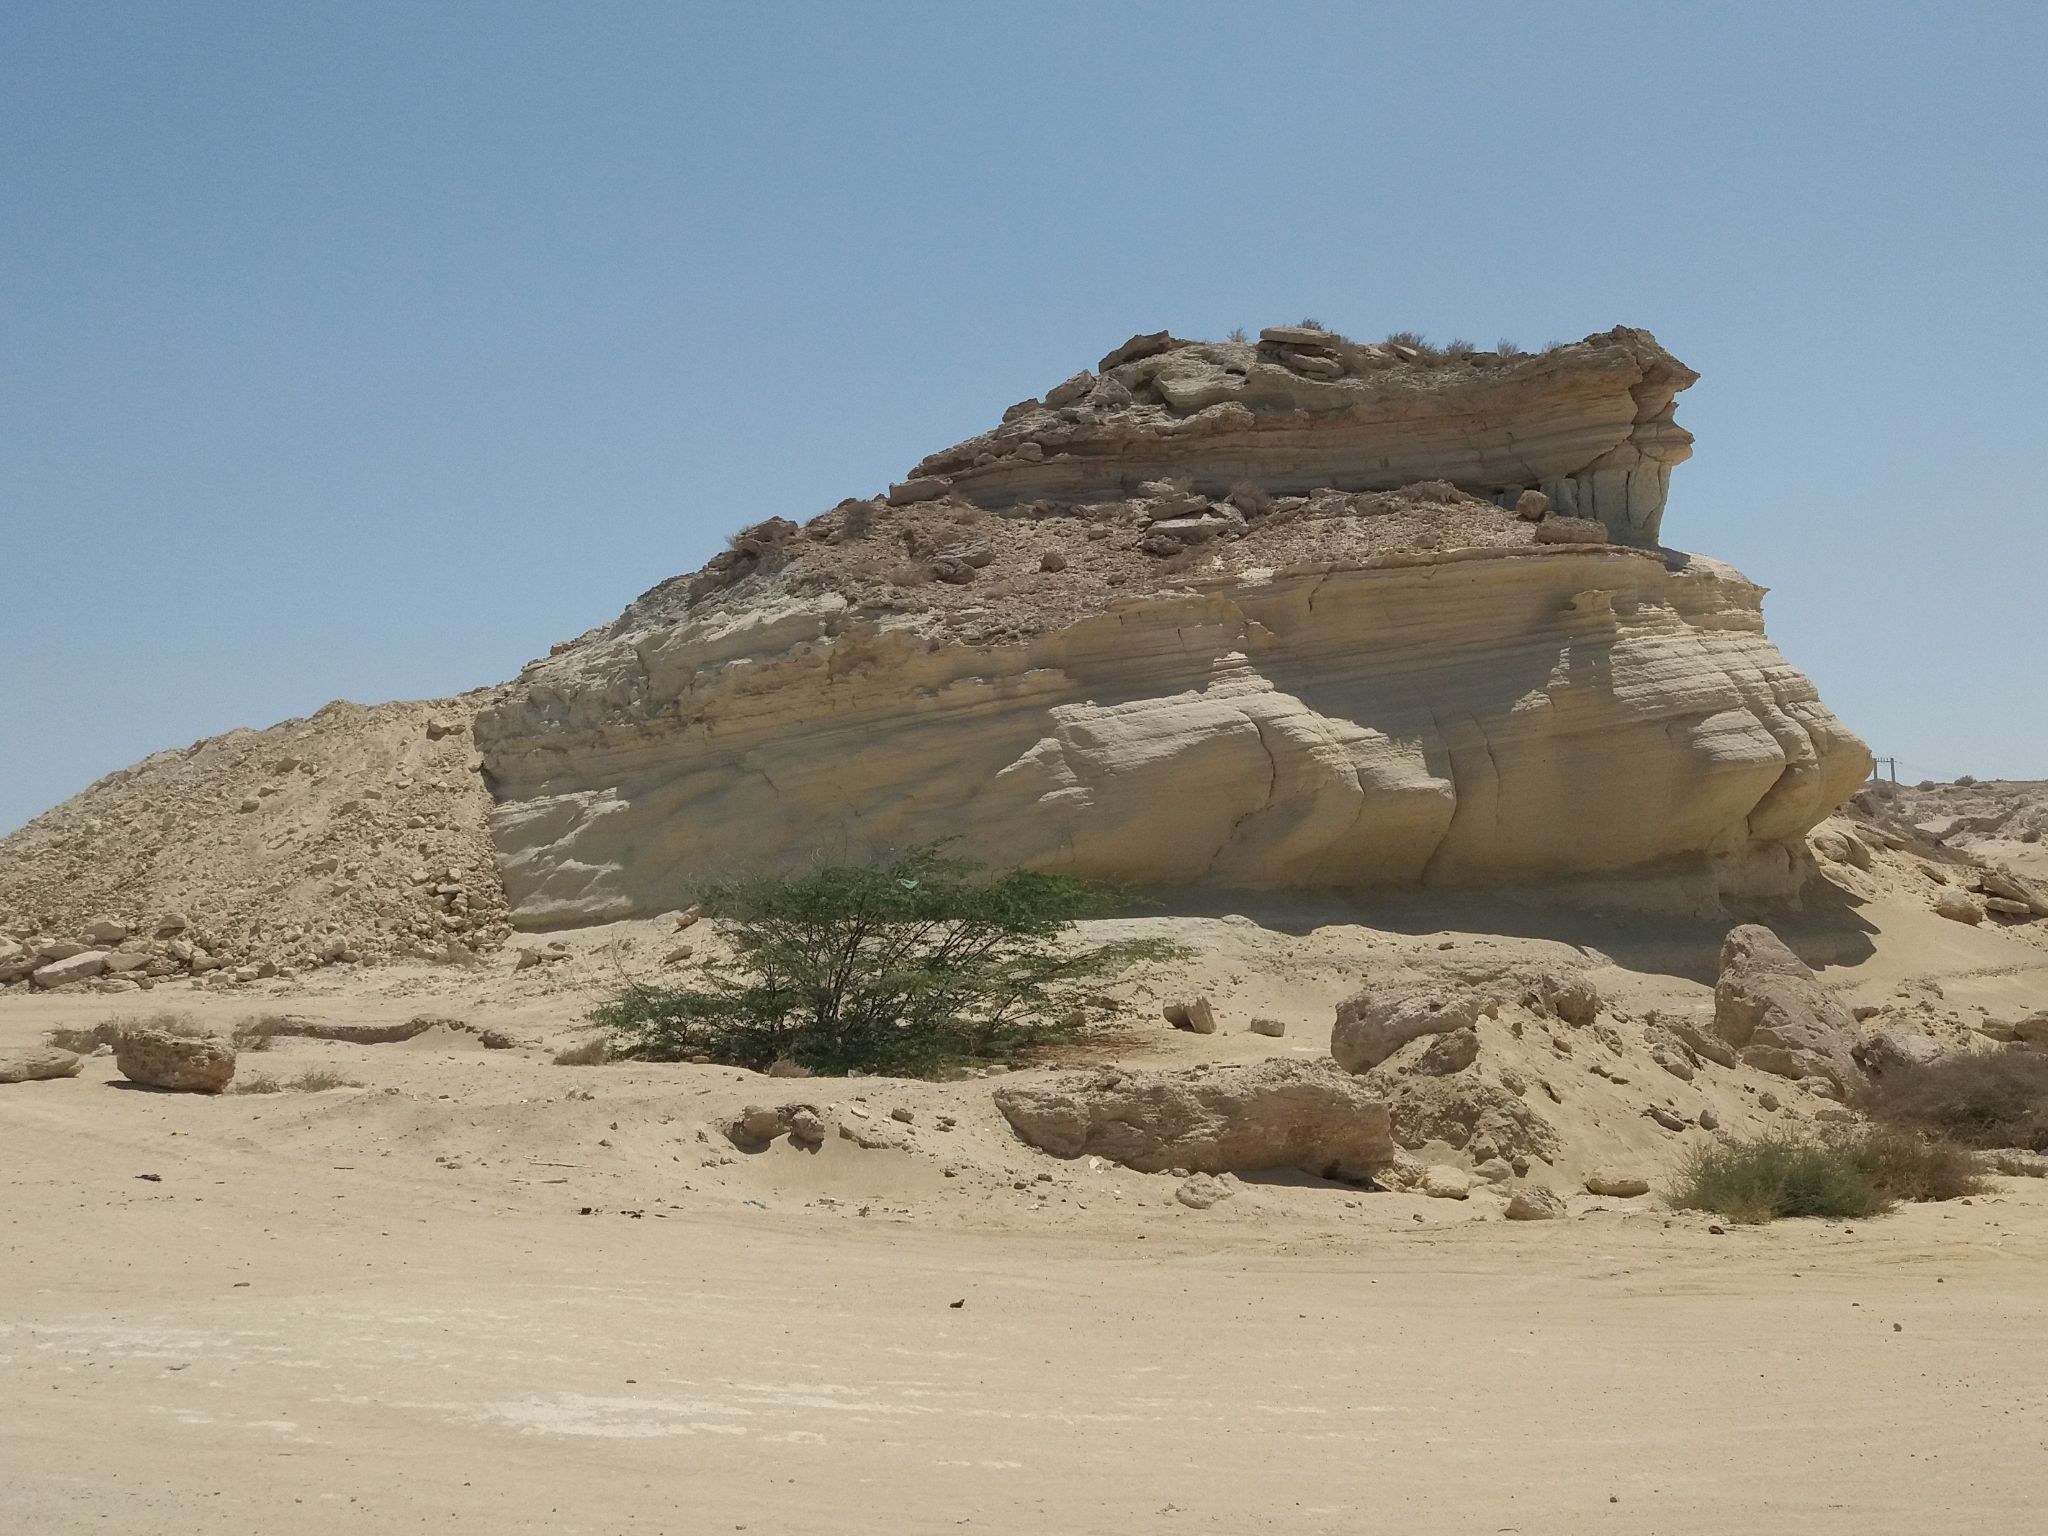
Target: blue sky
[[366, 350]]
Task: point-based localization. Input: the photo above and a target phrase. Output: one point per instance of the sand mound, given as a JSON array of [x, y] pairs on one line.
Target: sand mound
[[360, 833]]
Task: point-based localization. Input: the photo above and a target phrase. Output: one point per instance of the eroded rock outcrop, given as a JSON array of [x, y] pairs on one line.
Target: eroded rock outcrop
[[1769, 1006], [1590, 425], [1236, 1119], [1468, 716], [1197, 618]]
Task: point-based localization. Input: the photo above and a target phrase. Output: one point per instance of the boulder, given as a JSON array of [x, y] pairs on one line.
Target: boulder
[[1893, 1049], [82, 966], [1278, 1113], [919, 488], [1199, 1191], [1616, 1184], [1670, 1052], [1697, 1038], [1441, 1181], [1777, 1016], [1272, 1029], [2006, 886], [15, 961], [1535, 1202], [1449, 1053], [1567, 995], [32, 1063], [121, 961], [1070, 389], [1192, 1014], [2032, 1030], [1958, 905], [1532, 506], [1375, 1023], [158, 1059], [104, 932], [1571, 530]]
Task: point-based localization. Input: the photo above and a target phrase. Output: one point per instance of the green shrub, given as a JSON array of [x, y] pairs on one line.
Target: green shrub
[[1778, 1174], [1981, 1099], [1902, 1163], [1850, 1173], [903, 967]]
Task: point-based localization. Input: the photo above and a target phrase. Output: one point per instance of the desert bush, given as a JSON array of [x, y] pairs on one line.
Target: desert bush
[[319, 1080], [1508, 348], [1312, 325], [1458, 347], [1854, 1172], [259, 1032], [1981, 1099], [594, 1052], [86, 1039], [1904, 1163], [1237, 333], [312, 1080], [1779, 1174], [1965, 780], [903, 966]]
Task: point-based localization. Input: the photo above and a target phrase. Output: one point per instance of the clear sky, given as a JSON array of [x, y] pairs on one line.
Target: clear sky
[[365, 350]]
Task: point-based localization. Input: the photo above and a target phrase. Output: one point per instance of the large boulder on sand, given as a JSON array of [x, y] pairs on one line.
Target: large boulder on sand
[[1214, 1119], [32, 1063], [158, 1059], [1375, 1023], [1769, 1006]]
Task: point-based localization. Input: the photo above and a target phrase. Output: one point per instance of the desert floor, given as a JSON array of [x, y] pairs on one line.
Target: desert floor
[[481, 1292]]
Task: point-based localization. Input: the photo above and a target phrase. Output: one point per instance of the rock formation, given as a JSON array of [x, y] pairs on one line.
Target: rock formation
[[1772, 1009], [1283, 614], [157, 1058], [1169, 626], [1589, 425], [1268, 1114]]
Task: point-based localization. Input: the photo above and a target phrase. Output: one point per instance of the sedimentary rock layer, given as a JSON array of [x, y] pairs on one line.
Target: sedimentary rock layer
[[1462, 716], [1590, 424]]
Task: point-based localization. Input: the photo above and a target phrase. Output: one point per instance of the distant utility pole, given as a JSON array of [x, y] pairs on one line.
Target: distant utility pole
[[1889, 765]]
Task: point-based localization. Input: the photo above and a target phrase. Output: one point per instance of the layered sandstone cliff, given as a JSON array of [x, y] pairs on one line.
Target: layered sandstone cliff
[[1178, 682], [1590, 424]]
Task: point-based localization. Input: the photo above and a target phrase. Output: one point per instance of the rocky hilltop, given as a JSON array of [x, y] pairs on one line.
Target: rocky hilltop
[[1589, 424], [1294, 613]]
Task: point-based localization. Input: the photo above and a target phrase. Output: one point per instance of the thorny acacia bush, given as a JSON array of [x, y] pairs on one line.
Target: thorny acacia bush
[[904, 967], [1981, 1099], [1854, 1173]]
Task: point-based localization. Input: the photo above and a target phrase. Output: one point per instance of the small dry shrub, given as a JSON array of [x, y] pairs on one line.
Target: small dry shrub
[[88, 1038], [1903, 1163], [319, 1080], [258, 1085], [1981, 1099], [594, 1052], [1507, 348], [259, 1032], [1459, 349]]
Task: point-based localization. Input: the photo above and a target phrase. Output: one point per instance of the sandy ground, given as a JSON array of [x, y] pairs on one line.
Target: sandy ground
[[482, 1292]]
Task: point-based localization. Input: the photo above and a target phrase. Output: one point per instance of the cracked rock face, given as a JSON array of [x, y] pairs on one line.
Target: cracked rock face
[[1305, 683]]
